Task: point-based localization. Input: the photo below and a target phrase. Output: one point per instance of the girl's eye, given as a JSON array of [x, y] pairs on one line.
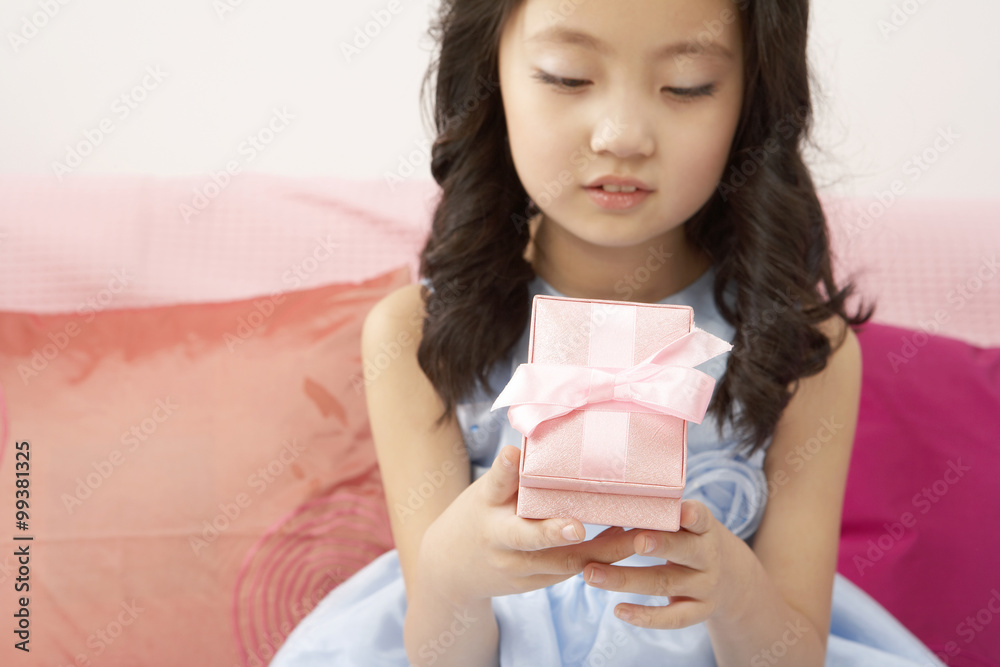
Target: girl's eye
[[559, 82], [689, 94], [686, 94]]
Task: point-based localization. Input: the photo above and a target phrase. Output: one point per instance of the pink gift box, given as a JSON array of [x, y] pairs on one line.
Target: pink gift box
[[613, 461]]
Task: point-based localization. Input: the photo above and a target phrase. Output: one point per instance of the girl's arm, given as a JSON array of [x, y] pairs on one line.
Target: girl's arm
[[413, 457], [806, 467]]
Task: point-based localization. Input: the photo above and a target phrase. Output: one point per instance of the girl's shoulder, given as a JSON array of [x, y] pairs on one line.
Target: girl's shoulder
[[404, 302], [396, 318]]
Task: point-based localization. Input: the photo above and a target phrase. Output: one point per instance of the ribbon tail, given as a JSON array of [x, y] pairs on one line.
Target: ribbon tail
[[537, 392], [691, 349], [526, 417], [514, 387]]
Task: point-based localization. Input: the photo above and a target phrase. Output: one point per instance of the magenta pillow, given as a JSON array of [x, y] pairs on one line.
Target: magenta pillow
[[920, 525]]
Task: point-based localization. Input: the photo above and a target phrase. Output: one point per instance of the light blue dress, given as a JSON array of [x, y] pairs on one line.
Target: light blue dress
[[571, 623]]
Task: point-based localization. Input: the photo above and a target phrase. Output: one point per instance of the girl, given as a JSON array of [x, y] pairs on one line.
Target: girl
[[638, 150]]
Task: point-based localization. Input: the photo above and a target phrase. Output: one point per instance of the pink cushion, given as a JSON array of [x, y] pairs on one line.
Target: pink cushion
[[920, 516], [931, 264], [125, 240], [201, 475]]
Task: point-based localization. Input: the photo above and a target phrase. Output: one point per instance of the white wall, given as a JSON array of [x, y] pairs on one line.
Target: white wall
[[886, 95], [228, 66]]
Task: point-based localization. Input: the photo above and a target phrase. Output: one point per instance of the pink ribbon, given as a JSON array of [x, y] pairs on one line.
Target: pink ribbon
[[664, 382]]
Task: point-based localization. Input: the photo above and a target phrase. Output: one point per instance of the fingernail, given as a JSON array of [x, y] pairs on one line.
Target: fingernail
[[507, 462], [569, 532], [648, 545], [596, 576]]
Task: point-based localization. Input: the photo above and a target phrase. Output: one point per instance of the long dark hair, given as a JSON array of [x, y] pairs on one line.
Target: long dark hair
[[763, 228]]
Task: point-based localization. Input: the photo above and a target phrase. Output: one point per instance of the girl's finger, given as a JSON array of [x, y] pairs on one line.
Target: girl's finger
[[503, 476], [659, 580], [678, 614], [695, 516], [536, 534], [608, 547], [681, 547]]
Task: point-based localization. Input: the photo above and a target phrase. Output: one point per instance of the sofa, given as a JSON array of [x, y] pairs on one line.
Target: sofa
[[182, 389]]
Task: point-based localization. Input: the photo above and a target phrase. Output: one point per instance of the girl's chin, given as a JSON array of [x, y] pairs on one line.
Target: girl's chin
[[611, 233]]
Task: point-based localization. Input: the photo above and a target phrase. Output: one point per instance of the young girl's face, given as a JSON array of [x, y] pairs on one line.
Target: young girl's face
[[667, 121]]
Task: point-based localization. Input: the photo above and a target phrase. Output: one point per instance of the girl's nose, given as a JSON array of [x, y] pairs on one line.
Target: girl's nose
[[624, 131]]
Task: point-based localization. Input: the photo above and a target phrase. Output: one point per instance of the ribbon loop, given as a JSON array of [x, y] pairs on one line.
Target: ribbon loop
[[664, 382]]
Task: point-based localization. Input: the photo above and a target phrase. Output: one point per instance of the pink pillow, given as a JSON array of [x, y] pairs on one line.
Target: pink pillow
[[920, 517], [200, 475]]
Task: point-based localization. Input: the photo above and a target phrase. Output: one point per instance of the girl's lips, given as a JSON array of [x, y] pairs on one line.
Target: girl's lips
[[617, 201]]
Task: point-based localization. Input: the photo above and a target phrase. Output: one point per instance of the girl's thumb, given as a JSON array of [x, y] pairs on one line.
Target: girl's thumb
[[504, 475]]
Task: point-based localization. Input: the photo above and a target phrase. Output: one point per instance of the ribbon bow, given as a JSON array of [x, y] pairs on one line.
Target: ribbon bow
[[664, 382]]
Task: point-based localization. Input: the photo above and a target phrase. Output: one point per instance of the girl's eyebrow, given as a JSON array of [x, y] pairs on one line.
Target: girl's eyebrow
[[559, 34]]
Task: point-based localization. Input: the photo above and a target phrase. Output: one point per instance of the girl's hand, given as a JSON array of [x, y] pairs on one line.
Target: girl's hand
[[479, 548], [709, 573]]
